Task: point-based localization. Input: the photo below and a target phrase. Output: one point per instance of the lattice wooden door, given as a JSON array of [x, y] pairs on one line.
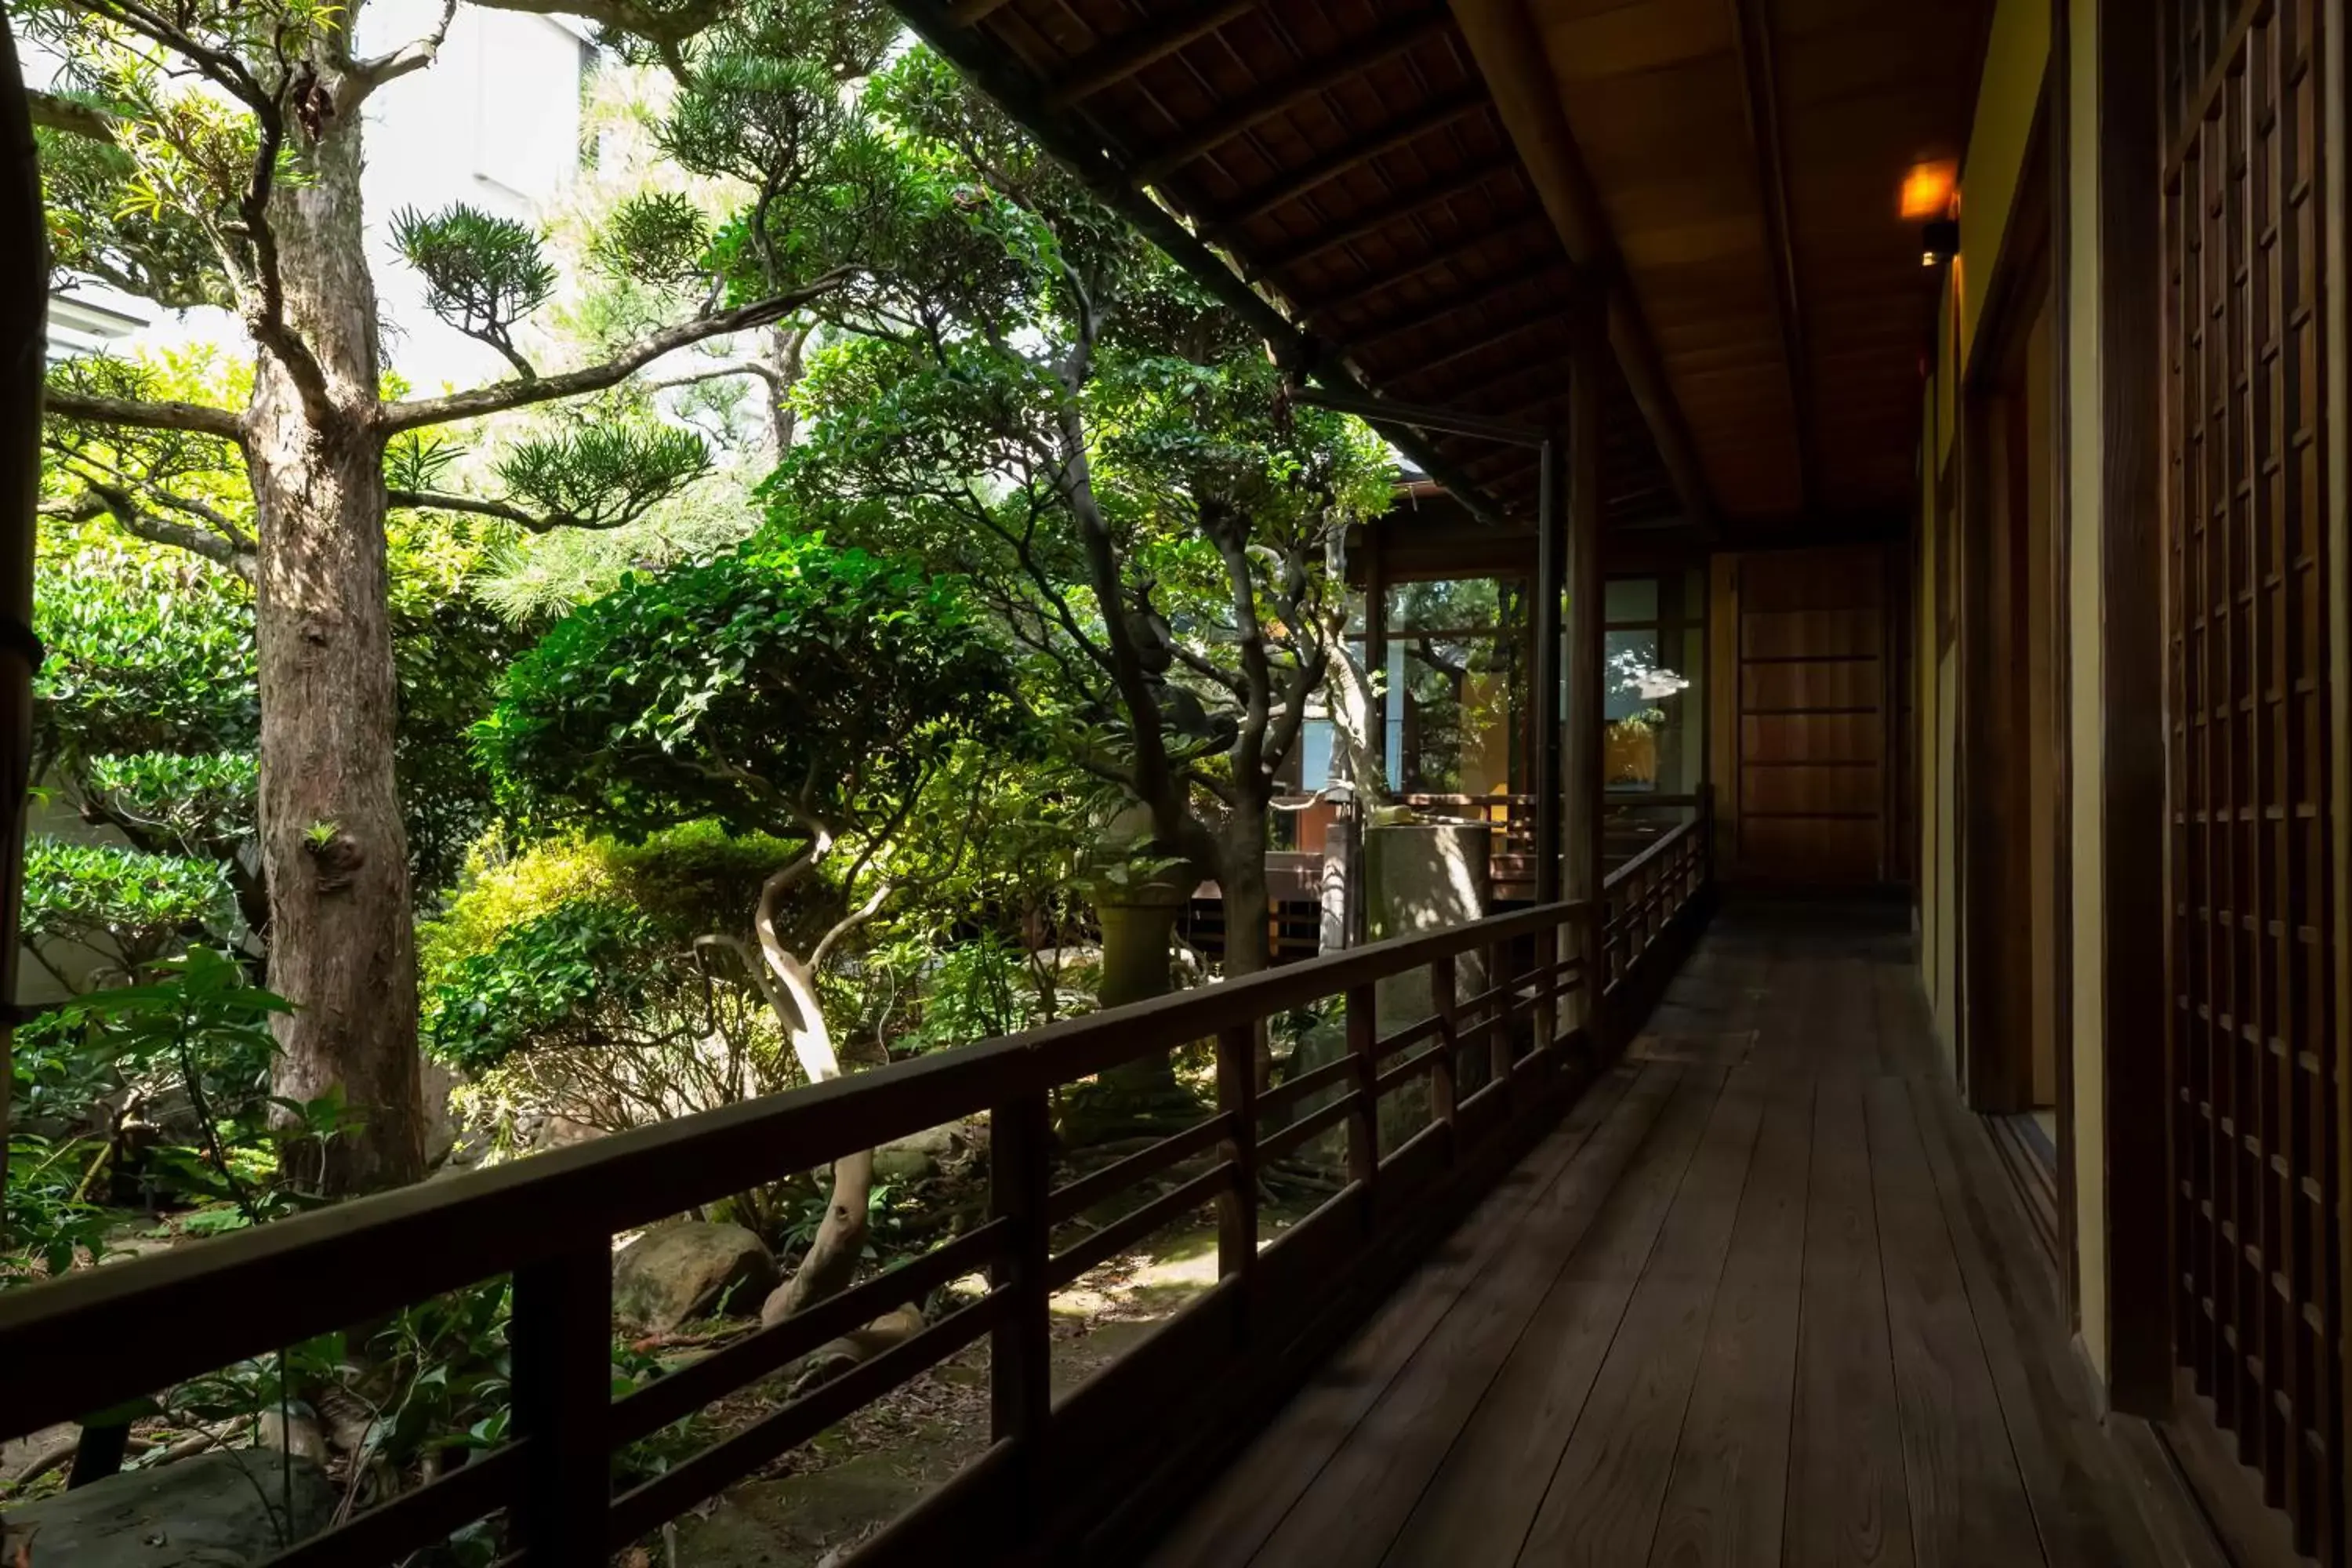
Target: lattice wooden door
[[2254, 1045]]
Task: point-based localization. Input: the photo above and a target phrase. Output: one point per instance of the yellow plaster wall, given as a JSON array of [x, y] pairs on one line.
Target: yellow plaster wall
[[2017, 52], [2086, 777]]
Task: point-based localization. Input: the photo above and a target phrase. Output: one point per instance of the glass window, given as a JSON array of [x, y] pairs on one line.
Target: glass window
[[1456, 700], [1630, 599], [1653, 699]]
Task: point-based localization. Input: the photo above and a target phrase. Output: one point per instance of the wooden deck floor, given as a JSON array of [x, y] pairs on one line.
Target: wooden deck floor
[[1765, 1298]]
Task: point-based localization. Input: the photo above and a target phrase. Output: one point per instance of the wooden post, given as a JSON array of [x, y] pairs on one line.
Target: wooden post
[[1498, 1025], [1581, 760], [1364, 1125], [1543, 684], [1443, 1086], [561, 1342], [24, 301], [1237, 1210], [1376, 667], [1021, 1401]]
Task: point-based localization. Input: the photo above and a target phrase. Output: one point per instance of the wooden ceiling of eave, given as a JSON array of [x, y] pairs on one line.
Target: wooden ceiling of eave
[[1346, 155], [1867, 87], [1791, 337]]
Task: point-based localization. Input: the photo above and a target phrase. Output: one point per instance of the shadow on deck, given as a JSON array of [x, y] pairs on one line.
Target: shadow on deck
[[1764, 1296]]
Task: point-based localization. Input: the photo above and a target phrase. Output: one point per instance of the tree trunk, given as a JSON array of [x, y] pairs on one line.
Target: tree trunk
[[835, 1252], [1249, 911], [333, 849]]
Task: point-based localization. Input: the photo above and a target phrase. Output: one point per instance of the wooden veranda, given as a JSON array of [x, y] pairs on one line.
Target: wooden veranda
[[2028, 699]]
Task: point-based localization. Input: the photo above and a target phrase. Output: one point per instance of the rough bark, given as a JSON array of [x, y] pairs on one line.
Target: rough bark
[[334, 848]]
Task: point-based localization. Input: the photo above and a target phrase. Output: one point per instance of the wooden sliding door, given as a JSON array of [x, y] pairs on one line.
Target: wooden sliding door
[[1814, 719], [2255, 1043]]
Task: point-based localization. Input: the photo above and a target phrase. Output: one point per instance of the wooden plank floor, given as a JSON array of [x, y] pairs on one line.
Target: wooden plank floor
[[1766, 1297]]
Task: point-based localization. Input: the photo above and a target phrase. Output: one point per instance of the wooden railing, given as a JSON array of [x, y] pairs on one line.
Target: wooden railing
[[1056, 1473], [1650, 897]]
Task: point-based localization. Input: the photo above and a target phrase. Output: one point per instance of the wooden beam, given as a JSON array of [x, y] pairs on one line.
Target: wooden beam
[[1761, 91], [2128, 316], [1431, 116], [1129, 53], [1509, 51], [1288, 93], [1371, 220]]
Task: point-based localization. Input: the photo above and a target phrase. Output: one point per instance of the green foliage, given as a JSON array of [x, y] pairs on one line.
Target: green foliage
[[605, 474], [197, 804], [483, 274], [782, 685], [656, 237], [150, 651], [130, 907], [552, 980]]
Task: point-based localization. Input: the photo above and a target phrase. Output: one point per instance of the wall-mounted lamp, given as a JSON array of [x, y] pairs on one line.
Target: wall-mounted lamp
[[1939, 241], [1931, 199]]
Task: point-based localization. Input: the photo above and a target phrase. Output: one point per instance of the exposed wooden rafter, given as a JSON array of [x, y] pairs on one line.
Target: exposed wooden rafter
[[1288, 93], [1509, 51], [1353, 155], [1759, 87], [1482, 294], [1372, 219], [1129, 52], [1428, 262], [1080, 150]]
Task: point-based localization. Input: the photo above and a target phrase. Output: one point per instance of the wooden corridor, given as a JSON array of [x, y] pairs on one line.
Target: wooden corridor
[[1765, 1298]]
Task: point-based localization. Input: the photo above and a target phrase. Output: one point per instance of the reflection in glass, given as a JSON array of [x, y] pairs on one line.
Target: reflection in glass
[[1457, 687]]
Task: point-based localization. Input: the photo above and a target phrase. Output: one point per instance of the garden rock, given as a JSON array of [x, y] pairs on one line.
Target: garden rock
[[220, 1510], [683, 1271], [911, 1159]]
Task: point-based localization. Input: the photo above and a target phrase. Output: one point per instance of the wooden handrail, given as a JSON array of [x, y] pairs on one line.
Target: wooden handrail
[[101, 1337]]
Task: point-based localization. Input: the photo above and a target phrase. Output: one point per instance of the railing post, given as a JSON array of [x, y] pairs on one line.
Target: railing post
[[1547, 1009], [560, 1337], [1444, 1089], [1364, 1126], [1498, 1023], [1237, 1210], [1020, 1402]]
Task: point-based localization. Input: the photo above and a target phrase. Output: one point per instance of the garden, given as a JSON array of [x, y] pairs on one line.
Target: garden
[[877, 590]]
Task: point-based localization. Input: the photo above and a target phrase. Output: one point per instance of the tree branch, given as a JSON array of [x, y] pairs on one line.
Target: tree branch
[[140, 415], [443, 501], [665, 25], [363, 77], [752, 367], [505, 394], [71, 115], [137, 521]]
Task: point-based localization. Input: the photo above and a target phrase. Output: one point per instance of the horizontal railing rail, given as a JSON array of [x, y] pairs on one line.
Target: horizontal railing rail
[[99, 1338]]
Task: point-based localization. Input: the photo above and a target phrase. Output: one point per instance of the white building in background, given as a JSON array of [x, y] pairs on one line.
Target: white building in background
[[495, 124]]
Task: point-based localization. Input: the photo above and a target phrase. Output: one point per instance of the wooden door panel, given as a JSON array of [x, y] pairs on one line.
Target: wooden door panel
[[1810, 634], [2254, 1050], [1783, 686], [1802, 789], [1780, 738], [1812, 726]]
